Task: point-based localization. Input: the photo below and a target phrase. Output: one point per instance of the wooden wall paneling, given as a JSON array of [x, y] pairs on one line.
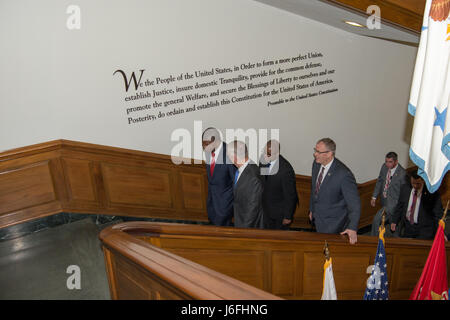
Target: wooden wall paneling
[[80, 181], [149, 268], [25, 187], [301, 216], [312, 274], [137, 186], [416, 6], [134, 283], [299, 273], [30, 213], [245, 265], [411, 266], [59, 180], [88, 178], [367, 211], [295, 264], [99, 184], [283, 273], [193, 190], [26, 192], [407, 14], [352, 274]]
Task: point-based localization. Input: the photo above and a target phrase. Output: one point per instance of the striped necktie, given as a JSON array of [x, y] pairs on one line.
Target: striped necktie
[[319, 180], [413, 207], [388, 182]]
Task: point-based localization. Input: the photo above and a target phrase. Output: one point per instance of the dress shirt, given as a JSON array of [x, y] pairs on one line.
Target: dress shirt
[[416, 211], [325, 171]]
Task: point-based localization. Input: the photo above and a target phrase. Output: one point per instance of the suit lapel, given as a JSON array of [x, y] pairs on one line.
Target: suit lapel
[[396, 173], [315, 173], [220, 160], [241, 179]]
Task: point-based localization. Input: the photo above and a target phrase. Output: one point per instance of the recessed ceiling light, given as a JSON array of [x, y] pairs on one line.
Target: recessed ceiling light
[[355, 24]]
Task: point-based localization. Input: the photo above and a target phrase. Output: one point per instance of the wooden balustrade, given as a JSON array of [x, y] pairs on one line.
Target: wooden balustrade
[[67, 176], [139, 270], [160, 260]]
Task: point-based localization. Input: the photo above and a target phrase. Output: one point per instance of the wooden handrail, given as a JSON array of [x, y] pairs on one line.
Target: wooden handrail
[[157, 229], [192, 279]]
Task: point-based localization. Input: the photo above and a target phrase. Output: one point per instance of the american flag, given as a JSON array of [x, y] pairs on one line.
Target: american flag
[[377, 284]]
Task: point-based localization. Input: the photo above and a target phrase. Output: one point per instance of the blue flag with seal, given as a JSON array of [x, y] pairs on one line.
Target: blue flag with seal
[[430, 96], [377, 284]]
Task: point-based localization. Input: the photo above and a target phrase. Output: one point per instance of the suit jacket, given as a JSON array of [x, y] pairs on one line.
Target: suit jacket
[[280, 197], [337, 205], [430, 211], [248, 210], [393, 191], [220, 189]]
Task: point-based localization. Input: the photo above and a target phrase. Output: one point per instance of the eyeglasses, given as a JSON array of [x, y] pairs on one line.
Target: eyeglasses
[[317, 151]]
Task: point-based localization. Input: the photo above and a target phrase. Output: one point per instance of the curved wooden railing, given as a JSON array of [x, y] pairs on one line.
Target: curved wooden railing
[[142, 256], [138, 270]]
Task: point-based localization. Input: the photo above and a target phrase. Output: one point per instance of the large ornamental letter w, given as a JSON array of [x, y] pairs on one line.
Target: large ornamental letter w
[[133, 77]]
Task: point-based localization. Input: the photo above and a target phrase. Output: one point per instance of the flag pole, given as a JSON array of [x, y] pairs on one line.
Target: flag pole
[[326, 251], [382, 229], [445, 211], [442, 221]]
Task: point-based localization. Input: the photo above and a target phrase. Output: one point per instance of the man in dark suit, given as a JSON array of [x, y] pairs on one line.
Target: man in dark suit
[[220, 172], [248, 188], [390, 180], [334, 206], [417, 210], [280, 197]]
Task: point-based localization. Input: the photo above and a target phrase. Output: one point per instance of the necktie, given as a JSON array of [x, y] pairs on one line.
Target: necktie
[[386, 185], [236, 175], [319, 180], [413, 208], [213, 162]]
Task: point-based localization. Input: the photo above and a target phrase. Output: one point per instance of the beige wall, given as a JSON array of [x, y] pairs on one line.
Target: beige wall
[[58, 83]]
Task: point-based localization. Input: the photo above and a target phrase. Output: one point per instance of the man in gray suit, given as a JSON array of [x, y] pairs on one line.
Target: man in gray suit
[[334, 206], [392, 176], [248, 188]]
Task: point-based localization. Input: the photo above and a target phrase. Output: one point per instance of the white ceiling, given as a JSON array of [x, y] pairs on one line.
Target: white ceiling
[[334, 16]]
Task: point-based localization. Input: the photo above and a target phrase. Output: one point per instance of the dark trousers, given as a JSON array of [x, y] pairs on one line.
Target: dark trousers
[[276, 224]]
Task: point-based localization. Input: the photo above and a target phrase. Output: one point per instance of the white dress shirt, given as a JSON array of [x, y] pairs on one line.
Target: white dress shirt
[[327, 168], [416, 210], [216, 154]]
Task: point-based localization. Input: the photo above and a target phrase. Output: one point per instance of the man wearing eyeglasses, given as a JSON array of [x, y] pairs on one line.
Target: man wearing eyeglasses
[[334, 205]]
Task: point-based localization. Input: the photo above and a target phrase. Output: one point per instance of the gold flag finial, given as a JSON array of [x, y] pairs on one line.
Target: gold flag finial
[[326, 251]]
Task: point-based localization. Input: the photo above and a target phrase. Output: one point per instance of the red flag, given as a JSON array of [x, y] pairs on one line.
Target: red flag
[[433, 283]]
